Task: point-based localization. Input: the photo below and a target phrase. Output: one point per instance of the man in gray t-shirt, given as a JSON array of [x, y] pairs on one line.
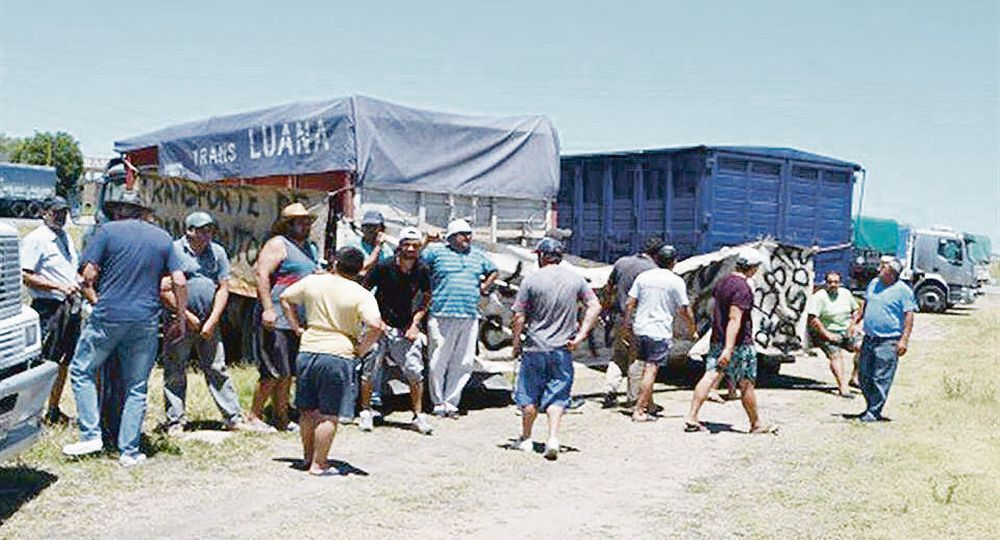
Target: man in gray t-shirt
[[206, 267], [546, 307], [623, 274]]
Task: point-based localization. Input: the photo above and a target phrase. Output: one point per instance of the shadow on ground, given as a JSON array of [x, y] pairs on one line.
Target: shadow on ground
[[18, 485], [342, 467]]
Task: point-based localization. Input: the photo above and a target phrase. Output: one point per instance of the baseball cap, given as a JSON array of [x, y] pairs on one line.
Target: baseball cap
[[550, 246], [410, 233], [458, 226], [55, 202], [198, 219], [373, 217]]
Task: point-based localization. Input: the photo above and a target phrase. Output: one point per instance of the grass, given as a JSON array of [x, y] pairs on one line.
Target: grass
[[934, 472]]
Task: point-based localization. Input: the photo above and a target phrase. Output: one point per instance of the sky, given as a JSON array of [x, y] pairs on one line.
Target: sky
[[908, 89]]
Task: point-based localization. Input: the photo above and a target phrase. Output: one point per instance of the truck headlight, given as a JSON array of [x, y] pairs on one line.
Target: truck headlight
[[30, 335]]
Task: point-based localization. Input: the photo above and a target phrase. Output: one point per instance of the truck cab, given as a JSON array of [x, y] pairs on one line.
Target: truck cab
[[25, 378], [938, 265]]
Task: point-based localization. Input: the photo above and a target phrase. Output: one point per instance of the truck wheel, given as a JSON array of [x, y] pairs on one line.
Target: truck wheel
[[932, 298]]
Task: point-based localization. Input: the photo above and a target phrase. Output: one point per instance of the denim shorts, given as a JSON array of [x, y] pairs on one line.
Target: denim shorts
[[545, 379], [742, 366], [653, 350], [324, 383]]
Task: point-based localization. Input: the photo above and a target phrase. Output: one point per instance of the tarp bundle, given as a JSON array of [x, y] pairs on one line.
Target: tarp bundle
[[876, 234], [386, 145]]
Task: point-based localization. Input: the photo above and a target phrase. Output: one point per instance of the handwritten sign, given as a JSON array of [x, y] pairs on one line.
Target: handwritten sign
[[244, 216]]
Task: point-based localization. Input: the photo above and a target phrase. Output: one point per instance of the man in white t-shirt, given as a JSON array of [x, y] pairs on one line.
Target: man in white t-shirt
[[49, 265], [655, 297]]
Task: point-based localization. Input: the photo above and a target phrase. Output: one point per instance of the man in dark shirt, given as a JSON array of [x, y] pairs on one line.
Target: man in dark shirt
[[125, 261], [732, 352], [615, 296], [402, 288]]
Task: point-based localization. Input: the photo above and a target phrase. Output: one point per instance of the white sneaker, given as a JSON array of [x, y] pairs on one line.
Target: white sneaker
[[552, 449], [365, 421], [422, 425], [83, 448], [525, 445], [131, 460], [292, 427]]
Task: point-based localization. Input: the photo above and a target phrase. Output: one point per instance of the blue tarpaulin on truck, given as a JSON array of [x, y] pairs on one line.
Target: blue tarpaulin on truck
[[385, 144]]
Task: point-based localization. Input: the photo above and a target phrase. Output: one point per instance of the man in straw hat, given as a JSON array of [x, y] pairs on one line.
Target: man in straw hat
[[286, 257], [460, 273], [129, 255]]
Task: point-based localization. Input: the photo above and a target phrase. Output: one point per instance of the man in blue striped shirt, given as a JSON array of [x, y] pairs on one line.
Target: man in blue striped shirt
[[460, 273]]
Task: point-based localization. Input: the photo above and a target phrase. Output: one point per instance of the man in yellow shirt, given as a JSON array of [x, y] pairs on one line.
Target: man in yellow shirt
[[343, 322]]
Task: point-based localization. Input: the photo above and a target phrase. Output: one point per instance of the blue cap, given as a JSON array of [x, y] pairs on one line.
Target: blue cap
[[373, 217]]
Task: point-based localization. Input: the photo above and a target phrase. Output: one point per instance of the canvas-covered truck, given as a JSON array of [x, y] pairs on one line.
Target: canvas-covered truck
[[25, 378], [341, 157], [24, 187]]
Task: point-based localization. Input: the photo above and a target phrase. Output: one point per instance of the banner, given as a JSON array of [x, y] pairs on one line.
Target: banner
[[244, 216]]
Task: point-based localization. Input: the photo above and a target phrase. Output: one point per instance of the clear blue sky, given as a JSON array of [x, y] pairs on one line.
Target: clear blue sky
[[909, 89]]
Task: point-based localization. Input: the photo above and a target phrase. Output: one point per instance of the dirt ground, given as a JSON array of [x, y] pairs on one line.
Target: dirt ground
[[615, 479]]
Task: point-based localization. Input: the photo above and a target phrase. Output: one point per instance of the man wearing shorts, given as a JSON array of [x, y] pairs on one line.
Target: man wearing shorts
[[402, 288], [336, 307], [832, 311], [622, 365], [49, 263], [546, 308], [732, 353], [285, 259], [656, 295]]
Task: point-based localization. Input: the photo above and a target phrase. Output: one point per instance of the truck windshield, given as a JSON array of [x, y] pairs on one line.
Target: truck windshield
[[951, 250]]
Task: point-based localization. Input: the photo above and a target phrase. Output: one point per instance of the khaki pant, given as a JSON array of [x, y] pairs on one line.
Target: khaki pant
[[622, 363]]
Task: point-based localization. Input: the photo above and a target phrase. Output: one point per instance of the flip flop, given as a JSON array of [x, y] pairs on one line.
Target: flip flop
[[694, 428], [770, 429]]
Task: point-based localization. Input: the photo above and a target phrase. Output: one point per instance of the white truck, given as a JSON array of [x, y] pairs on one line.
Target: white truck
[[936, 262], [25, 378]]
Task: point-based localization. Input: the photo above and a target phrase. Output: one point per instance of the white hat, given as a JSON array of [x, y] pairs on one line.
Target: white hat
[[410, 233], [748, 256], [458, 226]]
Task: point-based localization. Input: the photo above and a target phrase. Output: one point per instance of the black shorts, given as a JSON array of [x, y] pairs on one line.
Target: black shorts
[[60, 328], [274, 352], [324, 383]]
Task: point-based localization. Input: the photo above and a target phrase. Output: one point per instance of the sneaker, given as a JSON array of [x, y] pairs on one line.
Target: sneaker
[[83, 448], [576, 403], [421, 424], [868, 417], [131, 460], [552, 449], [610, 401], [292, 427], [524, 445], [440, 411], [654, 409], [175, 430], [365, 421]]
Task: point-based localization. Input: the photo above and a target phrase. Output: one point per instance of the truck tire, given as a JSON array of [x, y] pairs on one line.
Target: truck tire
[[932, 298]]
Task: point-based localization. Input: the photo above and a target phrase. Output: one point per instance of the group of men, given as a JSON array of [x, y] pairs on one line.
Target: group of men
[[334, 333]]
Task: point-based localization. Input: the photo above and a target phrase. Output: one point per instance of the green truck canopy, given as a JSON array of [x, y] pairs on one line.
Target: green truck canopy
[[876, 234]]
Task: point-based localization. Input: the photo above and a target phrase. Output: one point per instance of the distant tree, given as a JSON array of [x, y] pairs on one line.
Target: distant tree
[[8, 145], [59, 150]]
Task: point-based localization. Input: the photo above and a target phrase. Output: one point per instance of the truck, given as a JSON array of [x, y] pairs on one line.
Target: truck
[[937, 263], [25, 378], [24, 187]]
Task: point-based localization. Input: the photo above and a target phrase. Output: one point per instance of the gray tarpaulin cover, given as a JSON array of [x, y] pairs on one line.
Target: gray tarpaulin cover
[[386, 145]]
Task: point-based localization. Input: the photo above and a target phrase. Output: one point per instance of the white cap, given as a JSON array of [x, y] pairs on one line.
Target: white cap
[[410, 233], [748, 256], [458, 226]]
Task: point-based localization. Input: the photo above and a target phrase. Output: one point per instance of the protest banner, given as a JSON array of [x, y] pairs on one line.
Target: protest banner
[[244, 216]]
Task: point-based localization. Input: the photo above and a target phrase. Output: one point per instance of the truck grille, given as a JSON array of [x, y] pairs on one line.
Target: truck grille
[[10, 277], [12, 346]]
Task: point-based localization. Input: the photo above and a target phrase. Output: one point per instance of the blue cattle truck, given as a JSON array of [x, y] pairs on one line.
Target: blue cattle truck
[[25, 378], [24, 187]]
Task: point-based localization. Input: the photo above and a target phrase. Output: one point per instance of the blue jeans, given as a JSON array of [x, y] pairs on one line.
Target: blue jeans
[[876, 369], [135, 343]]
